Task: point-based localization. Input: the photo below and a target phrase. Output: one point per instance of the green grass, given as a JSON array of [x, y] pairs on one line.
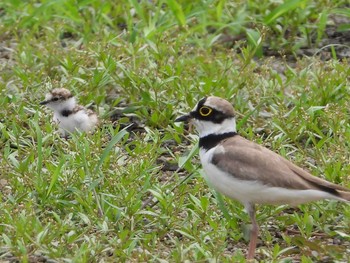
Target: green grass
[[152, 62]]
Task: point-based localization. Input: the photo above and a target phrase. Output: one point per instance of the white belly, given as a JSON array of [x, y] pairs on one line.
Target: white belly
[[253, 191], [78, 121]]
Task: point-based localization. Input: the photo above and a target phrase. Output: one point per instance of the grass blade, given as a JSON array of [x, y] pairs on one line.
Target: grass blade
[[39, 138], [246, 117], [176, 8], [183, 160], [116, 138], [219, 9], [55, 176], [281, 9], [255, 39], [110, 145], [322, 25]]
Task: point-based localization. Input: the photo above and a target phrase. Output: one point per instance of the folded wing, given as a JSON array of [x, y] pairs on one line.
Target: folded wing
[[252, 162]]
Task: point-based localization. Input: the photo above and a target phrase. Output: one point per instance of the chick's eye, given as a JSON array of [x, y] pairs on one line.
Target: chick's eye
[[55, 99], [205, 111]]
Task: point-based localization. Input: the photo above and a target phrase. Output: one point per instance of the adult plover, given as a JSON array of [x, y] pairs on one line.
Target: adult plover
[[248, 172], [68, 114]]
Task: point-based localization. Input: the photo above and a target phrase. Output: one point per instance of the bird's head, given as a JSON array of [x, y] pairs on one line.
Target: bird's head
[[58, 99], [211, 115]]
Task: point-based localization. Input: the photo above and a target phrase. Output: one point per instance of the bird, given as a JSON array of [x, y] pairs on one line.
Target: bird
[[248, 172], [67, 114]]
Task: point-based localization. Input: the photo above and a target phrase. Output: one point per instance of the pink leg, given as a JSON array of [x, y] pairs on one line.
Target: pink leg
[[253, 233]]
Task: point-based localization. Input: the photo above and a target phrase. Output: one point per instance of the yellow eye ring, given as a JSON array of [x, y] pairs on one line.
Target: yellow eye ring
[[205, 111]]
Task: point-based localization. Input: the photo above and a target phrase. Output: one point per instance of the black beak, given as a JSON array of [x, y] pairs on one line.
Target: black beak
[[183, 118], [44, 102]]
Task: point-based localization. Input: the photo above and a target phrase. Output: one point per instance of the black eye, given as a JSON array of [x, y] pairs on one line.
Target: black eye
[[54, 99], [205, 111]]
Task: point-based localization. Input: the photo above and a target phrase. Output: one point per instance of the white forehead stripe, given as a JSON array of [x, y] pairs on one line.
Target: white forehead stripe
[[48, 96]]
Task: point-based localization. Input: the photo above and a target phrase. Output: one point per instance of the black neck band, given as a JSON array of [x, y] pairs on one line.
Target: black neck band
[[210, 141], [66, 113]]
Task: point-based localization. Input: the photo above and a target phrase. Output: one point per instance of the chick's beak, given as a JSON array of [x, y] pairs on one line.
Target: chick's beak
[[184, 118], [44, 102]]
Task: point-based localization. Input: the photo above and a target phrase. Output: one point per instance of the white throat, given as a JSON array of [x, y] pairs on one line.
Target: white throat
[[205, 128], [59, 106]]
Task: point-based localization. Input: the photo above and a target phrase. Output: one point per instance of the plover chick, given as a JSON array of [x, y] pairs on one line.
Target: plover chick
[[67, 114]]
